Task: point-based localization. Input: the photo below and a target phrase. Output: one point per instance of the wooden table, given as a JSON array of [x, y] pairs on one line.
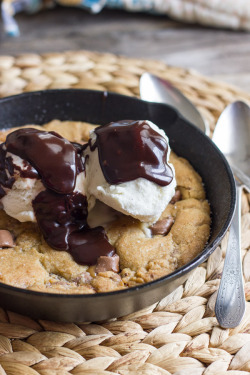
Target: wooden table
[[221, 54]]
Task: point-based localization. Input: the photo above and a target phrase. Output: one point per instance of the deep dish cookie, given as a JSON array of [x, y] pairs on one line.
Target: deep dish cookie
[[180, 234]]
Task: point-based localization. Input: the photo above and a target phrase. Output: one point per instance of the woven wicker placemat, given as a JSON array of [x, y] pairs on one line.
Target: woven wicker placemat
[[179, 335]]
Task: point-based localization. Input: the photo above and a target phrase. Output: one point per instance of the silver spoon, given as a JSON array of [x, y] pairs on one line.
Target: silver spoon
[[230, 304], [155, 89], [232, 136]]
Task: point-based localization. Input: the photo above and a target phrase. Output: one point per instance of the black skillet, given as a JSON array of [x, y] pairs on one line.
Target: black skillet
[[185, 139]]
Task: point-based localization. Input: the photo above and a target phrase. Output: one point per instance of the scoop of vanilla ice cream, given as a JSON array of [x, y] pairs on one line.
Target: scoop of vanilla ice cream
[[17, 202], [140, 198], [101, 215]]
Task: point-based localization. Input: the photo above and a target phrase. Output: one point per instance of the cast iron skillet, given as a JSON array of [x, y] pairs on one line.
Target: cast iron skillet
[[185, 139]]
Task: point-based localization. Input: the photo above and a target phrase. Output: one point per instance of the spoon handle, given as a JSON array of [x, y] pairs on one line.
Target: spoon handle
[[241, 176], [230, 303]]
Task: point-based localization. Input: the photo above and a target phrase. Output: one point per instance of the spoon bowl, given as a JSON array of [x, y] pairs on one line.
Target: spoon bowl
[[156, 89], [232, 136]]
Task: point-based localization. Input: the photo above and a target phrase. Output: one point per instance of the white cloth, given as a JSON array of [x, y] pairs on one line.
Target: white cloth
[[233, 14]]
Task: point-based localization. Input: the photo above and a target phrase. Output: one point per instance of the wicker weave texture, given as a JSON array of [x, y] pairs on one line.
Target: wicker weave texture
[[179, 335]]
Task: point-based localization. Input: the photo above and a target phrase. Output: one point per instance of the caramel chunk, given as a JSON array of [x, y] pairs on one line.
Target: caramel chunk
[[162, 227], [176, 197], [107, 264], [6, 239]]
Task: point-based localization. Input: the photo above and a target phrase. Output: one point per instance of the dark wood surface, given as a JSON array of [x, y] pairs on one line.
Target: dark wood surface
[[221, 54]]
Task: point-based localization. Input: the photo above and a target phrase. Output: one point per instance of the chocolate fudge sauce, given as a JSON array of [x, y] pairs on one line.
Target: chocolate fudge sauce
[[87, 247], [54, 158], [63, 223], [134, 150], [61, 213]]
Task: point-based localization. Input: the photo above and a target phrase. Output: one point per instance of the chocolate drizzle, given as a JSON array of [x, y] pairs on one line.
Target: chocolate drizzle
[[88, 246], [54, 158], [59, 215], [60, 211], [134, 150], [62, 220]]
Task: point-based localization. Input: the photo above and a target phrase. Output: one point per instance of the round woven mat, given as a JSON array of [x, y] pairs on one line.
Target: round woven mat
[[179, 335]]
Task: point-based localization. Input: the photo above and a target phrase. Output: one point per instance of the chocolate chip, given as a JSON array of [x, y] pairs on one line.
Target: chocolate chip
[[177, 197], [105, 263], [162, 227], [6, 239]]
